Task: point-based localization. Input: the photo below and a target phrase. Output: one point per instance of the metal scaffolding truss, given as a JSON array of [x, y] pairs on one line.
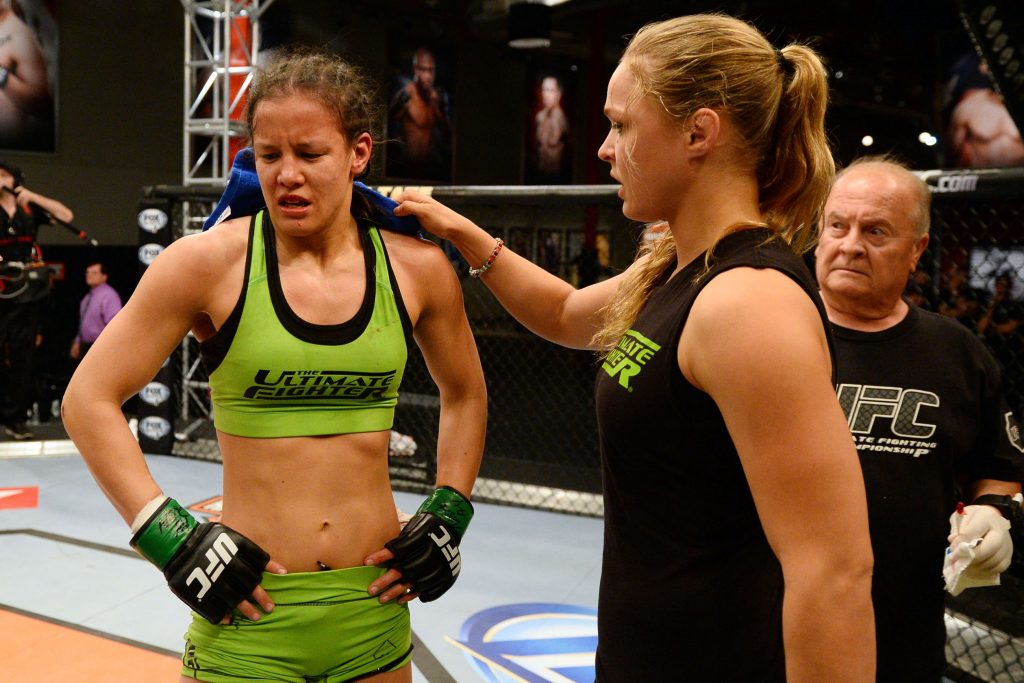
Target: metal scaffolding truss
[[221, 48]]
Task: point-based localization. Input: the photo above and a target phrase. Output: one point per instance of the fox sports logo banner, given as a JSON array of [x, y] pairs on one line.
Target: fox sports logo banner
[[152, 220], [155, 393], [154, 427], [531, 643]]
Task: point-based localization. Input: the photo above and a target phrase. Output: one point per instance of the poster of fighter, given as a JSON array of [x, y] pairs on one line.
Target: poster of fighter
[[420, 110], [28, 75], [549, 134], [980, 131]]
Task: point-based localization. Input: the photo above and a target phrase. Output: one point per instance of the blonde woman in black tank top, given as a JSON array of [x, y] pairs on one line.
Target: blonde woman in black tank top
[[736, 541]]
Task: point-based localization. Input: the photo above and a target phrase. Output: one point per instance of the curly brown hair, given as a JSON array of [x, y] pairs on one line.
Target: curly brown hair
[[341, 87]]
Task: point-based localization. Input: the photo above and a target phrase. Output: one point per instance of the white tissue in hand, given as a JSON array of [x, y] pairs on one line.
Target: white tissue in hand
[[955, 569]]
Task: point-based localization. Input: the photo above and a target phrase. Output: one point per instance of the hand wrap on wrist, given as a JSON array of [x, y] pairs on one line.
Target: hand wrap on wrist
[[209, 566], [427, 550]]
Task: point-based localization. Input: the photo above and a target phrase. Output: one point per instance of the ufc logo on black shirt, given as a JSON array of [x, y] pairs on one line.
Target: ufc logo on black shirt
[[862, 405]]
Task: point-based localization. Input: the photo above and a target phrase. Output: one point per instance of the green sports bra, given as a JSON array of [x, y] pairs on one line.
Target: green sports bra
[[273, 374]]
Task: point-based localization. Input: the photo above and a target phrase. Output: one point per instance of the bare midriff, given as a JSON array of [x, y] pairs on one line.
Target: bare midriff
[[310, 501]]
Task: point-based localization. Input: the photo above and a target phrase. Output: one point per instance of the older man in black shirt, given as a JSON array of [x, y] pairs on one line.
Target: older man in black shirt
[[926, 407]]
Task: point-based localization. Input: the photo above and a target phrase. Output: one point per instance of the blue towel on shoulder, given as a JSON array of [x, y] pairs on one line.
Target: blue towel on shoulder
[[243, 197]]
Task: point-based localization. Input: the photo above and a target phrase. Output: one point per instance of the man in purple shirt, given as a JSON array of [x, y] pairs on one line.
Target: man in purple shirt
[[98, 308]]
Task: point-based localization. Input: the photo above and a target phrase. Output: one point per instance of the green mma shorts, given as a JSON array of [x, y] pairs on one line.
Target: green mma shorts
[[324, 627]]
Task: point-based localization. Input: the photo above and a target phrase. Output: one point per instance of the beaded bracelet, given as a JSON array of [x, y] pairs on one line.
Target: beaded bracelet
[[477, 272]]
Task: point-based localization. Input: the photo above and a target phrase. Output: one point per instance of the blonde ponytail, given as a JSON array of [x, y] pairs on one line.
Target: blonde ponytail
[[777, 102]]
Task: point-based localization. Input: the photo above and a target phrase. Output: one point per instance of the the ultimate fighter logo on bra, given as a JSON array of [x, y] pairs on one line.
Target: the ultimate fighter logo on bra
[[291, 384]]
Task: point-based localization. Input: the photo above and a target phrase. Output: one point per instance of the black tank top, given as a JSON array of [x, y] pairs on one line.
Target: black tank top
[[18, 233], [690, 589]]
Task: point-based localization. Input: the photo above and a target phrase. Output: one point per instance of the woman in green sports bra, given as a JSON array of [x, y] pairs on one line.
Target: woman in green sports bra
[[304, 313]]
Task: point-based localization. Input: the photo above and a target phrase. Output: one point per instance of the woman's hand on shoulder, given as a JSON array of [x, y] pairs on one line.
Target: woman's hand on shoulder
[[435, 217]]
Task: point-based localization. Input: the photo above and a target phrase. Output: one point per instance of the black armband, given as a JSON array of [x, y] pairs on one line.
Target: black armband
[[1008, 507]]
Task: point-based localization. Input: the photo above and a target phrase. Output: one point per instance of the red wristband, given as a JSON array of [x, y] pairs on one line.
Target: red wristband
[[477, 272]]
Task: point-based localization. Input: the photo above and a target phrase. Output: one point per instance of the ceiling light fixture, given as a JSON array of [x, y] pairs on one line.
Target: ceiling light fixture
[[529, 25]]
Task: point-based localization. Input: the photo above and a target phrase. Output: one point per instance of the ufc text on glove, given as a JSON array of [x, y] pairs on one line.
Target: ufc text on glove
[[427, 550], [209, 566]]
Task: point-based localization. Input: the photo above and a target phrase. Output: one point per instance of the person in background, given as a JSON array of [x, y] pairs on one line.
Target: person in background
[[23, 286], [957, 299], [736, 529], [1001, 315], [999, 325], [924, 401], [97, 308]]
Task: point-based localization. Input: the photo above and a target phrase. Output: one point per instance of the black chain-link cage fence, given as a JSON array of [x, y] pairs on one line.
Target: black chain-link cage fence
[[974, 271], [542, 435]]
